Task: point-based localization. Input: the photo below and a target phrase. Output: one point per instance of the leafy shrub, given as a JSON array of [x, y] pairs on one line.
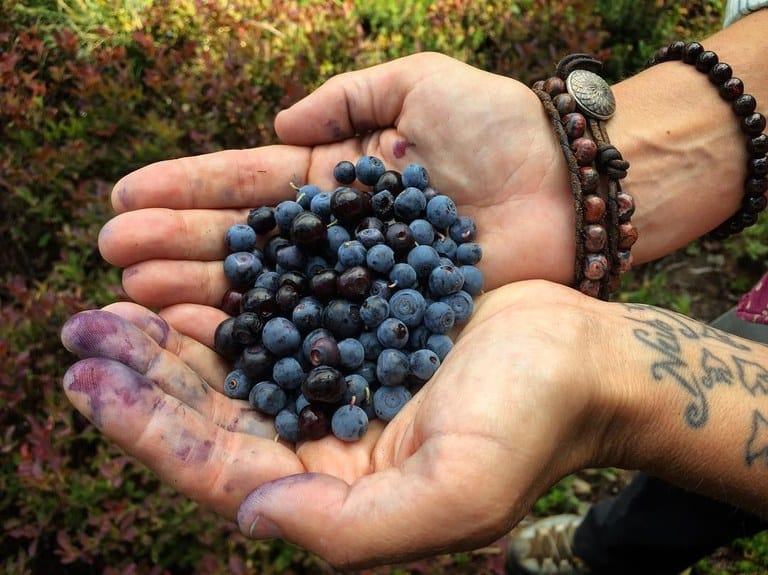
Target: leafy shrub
[[92, 90]]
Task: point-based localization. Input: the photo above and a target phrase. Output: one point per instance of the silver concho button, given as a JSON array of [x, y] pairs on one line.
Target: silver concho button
[[592, 94]]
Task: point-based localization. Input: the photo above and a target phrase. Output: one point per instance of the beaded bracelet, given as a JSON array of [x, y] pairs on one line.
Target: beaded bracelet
[[752, 124], [604, 232]]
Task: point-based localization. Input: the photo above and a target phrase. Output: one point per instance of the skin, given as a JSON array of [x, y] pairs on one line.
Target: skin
[[616, 385]]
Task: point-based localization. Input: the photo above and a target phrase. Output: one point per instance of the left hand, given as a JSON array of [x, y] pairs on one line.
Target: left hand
[[510, 411]]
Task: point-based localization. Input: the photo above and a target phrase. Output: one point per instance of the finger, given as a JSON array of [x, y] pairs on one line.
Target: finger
[[187, 450], [228, 179], [161, 283], [354, 103], [160, 233], [101, 334], [198, 322], [192, 341], [390, 516]]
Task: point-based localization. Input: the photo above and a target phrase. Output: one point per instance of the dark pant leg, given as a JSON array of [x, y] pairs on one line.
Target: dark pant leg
[[655, 528]]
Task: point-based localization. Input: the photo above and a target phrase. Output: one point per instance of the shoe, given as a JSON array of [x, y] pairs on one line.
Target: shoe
[[545, 547]]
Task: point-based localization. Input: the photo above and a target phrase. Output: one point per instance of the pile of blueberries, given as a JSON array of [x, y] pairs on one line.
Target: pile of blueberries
[[342, 302]]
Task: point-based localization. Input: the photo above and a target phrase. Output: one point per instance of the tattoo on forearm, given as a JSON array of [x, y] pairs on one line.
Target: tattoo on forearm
[[668, 333], [757, 445]]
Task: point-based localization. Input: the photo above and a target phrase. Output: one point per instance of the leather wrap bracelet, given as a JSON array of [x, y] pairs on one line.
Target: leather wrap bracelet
[[579, 102], [752, 124]]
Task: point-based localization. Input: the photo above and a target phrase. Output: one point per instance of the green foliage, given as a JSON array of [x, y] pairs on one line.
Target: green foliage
[[90, 90]]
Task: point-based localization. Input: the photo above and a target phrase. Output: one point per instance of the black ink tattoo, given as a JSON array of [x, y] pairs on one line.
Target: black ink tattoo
[[753, 376], [757, 444], [666, 332]]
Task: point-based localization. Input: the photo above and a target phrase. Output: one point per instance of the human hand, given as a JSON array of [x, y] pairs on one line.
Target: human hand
[[512, 409], [484, 139]]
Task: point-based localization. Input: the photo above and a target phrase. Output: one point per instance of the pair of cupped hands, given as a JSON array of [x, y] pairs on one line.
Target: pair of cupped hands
[[511, 410]]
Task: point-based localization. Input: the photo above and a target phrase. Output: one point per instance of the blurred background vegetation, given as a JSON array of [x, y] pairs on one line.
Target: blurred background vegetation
[[92, 89]]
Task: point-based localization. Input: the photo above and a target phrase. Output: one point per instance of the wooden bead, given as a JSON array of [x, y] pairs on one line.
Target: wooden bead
[[626, 206], [705, 61], [732, 89], [589, 178], [554, 86], [584, 150], [754, 204], [720, 73], [758, 146], [575, 125], [753, 124], [758, 166], [595, 266], [744, 105], [627, 235], [755, 186], [594, 208], [691, 52], [595, 238], [564, 104]]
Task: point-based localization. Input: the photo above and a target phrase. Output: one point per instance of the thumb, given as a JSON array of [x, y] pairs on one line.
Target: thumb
[[393, 515], [353, 103]]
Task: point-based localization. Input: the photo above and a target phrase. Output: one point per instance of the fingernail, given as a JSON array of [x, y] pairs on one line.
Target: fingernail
[[263, 528]]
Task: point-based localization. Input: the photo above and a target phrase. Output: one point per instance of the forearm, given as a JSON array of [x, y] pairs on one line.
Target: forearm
[[686, 150], [692, 406]]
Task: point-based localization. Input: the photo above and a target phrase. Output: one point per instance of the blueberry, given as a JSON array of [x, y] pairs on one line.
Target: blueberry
[[240, 238], [410, 204], [291, 258], [445, 246], [439, 317], [354, 283], [262, 219], [349, 423], [468, 253], [351, 353], [267, 397], [444, 280], [337, 235], [370, 237], [463, 230], [306, 344], [381, 287], [287, 425], [314, 265], [369, 169], [321, 205], [371, 345], [374, 310], [285, 211], [392, 332], [257, 361], [383, 205], [223, 341], [305, 194], [351, 253], [358, 389], [423, 363], [313, 422], [307, 315], [441, 344], [380, 258], [423, 259], [392, 367], [415, 175], [473, 279], [350, 205], [403, 276], [259, 300], [461, 303], [324, 351], [390, 181], [247, 328], [344, 172], [408, 305], [324, 384], [288, 373], [399, 237], [237, 384], [423, 232], [267, 279], [441, 211], [242, 269], [308, 231], [367, 371], [280, 336], [342, 318], [389, 400]]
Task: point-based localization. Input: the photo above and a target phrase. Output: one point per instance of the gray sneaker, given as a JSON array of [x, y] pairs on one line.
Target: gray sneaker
[[545, 547]]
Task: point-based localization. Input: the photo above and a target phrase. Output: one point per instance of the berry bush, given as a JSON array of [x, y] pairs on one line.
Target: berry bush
[[91, 90]]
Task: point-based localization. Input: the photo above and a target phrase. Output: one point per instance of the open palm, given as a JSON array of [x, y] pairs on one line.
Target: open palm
[[455, 469]]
